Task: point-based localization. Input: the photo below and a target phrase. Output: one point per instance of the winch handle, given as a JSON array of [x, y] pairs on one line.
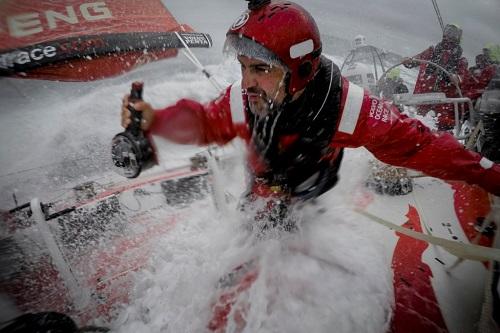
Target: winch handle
[[135, 116]]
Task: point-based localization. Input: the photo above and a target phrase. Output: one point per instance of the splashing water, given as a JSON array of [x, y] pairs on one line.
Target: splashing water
[[332, 273]]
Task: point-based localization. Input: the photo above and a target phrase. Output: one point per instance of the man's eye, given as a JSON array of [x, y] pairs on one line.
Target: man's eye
[[263, 69]]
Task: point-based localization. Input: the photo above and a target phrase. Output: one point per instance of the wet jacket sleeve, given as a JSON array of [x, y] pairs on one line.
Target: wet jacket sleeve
[[475, 84], [463, 70], [190, 122], [424, 55], [402, 141]]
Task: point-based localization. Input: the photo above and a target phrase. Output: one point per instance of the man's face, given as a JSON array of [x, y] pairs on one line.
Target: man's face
[[450, 42], [481, 60], [263, 83], [452, 35]]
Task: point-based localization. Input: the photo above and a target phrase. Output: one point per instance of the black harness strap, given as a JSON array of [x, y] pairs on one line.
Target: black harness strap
[[302, 166]]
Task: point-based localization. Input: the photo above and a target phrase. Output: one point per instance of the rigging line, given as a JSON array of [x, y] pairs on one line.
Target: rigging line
[[346, 61], [327, 93], [272, 131], [282, 82], [380, 56], [40, 167], [438, 13], [374, 62], [190, 55]]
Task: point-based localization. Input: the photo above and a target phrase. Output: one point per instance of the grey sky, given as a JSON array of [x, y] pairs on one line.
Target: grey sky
[[403, 26], [407, 26]]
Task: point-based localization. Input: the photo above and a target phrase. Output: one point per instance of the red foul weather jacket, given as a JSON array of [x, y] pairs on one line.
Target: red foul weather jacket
[[479, 78], [348, 115], [430, 79]]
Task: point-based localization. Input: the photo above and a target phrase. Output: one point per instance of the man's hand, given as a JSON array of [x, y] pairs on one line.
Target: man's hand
[[141, 106], [408, 62], [455, 79]]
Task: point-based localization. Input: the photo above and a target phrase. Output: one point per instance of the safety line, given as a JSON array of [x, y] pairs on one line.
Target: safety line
[[466, 251]]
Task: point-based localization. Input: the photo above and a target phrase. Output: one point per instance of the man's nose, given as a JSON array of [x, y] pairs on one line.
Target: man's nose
[[247, 80]]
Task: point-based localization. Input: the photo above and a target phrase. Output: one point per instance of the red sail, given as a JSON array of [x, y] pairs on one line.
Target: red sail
[[78, 40]]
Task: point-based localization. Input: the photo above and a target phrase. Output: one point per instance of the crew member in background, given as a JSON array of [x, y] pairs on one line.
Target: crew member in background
[[393, 84], [483, 87], [447, 54], [479, 77], [492, 51], [296, 114]]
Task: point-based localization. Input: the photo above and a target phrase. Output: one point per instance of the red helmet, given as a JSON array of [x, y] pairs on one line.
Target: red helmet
[[281, 33]]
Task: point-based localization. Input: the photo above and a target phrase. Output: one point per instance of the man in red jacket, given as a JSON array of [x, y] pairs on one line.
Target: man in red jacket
[[479, 77], [296, 114], [447, 54]]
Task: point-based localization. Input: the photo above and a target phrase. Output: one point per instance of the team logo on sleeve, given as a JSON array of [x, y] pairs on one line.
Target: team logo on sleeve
[[240, 21], [378, 111]]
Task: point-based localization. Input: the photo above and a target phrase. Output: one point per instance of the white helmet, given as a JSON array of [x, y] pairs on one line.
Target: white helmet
[[359, 41]]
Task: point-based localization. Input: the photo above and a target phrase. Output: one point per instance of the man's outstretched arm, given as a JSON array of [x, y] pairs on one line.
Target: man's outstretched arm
[[190, 122], [401, 141]]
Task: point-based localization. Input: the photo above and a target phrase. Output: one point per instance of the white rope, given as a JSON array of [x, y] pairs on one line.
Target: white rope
[[466, 251], [190, 55]]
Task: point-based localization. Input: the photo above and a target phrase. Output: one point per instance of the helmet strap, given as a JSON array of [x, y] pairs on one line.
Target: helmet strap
[[286, 82], [288, 97], [256, 4]]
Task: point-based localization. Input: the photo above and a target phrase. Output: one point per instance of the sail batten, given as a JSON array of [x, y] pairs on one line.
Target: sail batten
[[77, 40]]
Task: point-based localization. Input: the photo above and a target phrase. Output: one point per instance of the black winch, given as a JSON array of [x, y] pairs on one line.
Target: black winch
[[131, 150]]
